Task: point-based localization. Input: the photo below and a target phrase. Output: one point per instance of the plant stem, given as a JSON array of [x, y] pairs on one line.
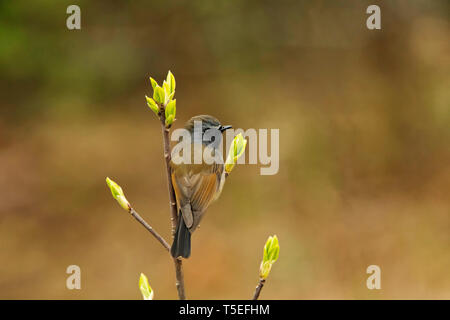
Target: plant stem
[[180, 278], [167, 158], [258, 289], [173, 205], [150, 229]]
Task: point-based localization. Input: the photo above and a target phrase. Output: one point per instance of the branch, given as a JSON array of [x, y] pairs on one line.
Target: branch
[[150, 229], [167, 158], [118, 194], [173, 204], [180, 278], [258, 289], [177, 263]]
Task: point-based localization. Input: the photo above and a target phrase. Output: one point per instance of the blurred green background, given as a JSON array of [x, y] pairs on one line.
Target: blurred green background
[[364, 119]]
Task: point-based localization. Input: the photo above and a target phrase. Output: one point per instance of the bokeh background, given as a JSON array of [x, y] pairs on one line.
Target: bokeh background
[[364, 119]]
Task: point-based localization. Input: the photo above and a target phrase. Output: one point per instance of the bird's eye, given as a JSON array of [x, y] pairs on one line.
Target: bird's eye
[[213, 138]]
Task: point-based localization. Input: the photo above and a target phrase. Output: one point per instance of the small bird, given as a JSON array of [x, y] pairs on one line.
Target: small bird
[[196, 185]]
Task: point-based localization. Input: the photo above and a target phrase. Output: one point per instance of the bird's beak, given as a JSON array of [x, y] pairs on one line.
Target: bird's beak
[[223, 128]]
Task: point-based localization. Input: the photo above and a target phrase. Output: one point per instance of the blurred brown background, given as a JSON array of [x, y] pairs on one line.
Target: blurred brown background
[[364, 119]]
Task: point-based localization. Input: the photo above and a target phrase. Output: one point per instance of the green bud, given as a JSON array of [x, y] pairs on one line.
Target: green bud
[[237, 149], [146, 290], [171, 81], [171, 110], [163, 94], [168, 98], [169, 121], [264, 269], [271, 249], [152, 104], [154, 83], [167, 94], [117, 194], [123, 202], [270, 255], [158, 94]]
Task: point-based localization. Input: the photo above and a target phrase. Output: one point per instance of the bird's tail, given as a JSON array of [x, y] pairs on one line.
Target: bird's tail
[[181, 246]]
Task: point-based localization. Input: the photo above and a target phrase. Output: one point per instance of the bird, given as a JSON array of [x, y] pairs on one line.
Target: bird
[[196, 185]]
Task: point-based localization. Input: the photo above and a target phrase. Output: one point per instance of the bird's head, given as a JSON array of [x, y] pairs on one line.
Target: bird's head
[[209, 126]]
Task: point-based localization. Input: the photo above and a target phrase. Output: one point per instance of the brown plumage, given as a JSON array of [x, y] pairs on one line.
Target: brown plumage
[[196, 186]]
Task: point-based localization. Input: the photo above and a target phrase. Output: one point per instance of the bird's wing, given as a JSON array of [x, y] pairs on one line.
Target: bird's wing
[[205, 187], [195, 189]]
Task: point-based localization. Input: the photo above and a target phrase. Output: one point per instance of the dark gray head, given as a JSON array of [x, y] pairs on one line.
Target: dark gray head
[[208, 122], [211, 129]]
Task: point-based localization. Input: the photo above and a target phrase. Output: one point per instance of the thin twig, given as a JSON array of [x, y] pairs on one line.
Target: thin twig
[[150, 229], [178, 264], [180, 278], [258, 289], [173, 205], [167, 158]]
